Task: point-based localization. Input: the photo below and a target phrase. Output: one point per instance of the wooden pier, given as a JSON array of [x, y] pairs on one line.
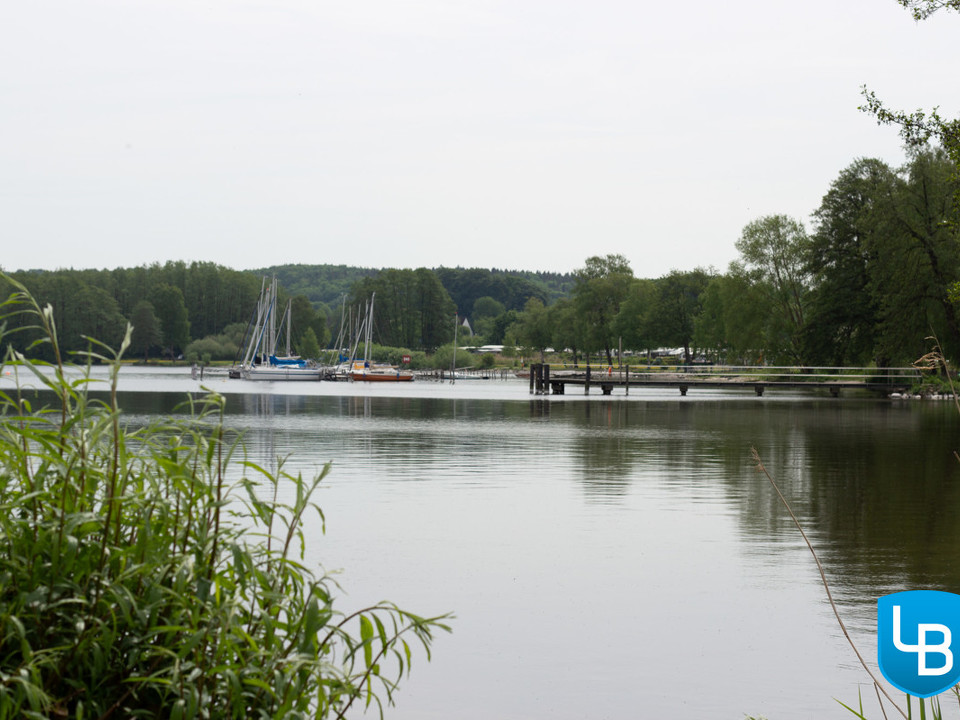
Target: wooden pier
[[545, 381]]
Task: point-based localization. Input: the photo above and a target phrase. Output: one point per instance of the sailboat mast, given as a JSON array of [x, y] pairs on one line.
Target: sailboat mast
[[255, 338], [453, 370], [289, 303], [366, 347]]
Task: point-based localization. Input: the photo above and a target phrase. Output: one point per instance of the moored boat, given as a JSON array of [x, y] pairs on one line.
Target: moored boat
[[260, 361], [368, 372]]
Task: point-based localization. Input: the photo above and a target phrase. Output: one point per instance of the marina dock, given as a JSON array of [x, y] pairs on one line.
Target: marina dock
[[544, 380]]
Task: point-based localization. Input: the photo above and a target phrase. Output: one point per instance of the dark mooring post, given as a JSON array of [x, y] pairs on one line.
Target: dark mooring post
[[586, 383], [546, 379], [627, 382], [533, 377], [541, 382]]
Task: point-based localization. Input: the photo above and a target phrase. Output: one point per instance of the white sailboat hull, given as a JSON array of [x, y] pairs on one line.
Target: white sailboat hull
[[278, 372]]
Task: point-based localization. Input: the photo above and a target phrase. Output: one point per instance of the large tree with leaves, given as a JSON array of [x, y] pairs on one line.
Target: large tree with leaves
[[634, 321], [919, 128], [773, 257], [533, 329], [601, 287], [172, 313], [412, 309], [843, 311], [678, 304], [918, 261], [146, 329], [731, 326]]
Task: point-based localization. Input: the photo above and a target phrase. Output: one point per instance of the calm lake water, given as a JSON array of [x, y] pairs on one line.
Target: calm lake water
[[611, 557]]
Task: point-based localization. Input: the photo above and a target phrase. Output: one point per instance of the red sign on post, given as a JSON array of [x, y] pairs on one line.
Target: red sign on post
[[406, 359]]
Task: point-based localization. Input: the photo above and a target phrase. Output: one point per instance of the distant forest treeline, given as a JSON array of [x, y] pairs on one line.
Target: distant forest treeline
[[180, 307], [327, 284]]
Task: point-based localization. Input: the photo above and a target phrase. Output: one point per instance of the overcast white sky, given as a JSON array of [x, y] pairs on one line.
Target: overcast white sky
[[394, 133]]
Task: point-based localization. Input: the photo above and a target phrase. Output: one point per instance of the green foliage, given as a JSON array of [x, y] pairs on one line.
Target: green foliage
[[918, 130], [146, 329], [569, 327], [732, 324], [304, 318], [485, 312], [773, 257], [94, 303], [222, 346], [394, 356], [844, 311], [634, 322], [172, 313], [601, 287], [442, 358], [510, 288], [487, 307], [308, 347], [678, 304], [152, 573], [922, 9], [533, 329], [321, 284], [411, 309]]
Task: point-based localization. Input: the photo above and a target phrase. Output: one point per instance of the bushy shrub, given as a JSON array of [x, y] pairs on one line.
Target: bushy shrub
[[154, 573], [394, 356]]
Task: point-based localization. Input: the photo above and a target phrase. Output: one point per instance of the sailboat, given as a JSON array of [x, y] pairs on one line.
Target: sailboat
[[260, 360], [367, 371]]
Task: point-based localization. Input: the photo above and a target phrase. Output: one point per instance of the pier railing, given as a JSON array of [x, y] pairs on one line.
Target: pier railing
[[545, 378]]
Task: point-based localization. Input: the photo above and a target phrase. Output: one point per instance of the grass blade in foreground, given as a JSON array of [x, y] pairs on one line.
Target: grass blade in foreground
[[130, 586]]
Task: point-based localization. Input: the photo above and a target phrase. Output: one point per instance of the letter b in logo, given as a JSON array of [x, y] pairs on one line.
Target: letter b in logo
[[914, 634]]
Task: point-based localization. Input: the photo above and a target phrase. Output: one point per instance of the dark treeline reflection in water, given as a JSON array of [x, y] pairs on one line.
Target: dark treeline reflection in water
[[615, 556]]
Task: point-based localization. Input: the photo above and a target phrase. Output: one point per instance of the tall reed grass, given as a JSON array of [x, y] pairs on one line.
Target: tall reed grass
[[137, 580]]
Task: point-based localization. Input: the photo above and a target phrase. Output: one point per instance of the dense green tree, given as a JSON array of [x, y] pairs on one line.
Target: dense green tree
[[569, 327], [511, 288], [412, 309], [919, 129], [304, 317], [97, 315], [172, 313], [774, 251], [320, 283], [498, 330], [224, 345], [677, 307], [533, 329], [709, 327], [307, 346], [843, 312], [634, 321], [731, 324], [485, 311], [601, 286], [146, 329], [916, 263]]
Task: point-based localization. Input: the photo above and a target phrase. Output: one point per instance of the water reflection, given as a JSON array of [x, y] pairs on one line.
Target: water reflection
[[576, 512]]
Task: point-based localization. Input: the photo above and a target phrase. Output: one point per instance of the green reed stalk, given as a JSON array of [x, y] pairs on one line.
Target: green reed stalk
[[134, 580]]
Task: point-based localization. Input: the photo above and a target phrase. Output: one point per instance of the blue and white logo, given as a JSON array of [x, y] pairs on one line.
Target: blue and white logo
[[915, 632]]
